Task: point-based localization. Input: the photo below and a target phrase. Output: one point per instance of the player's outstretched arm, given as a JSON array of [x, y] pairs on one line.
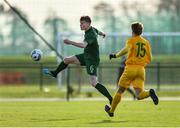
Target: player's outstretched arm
[[119, 54], [80, 45], [122, 52], [102, 34]]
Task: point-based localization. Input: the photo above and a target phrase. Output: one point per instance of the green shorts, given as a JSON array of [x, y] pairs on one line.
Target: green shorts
[[91, 65]]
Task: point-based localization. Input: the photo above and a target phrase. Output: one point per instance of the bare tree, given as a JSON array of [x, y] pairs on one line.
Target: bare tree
[[105, 13], [1, 34], [55, 24], [172, 7], [21, 36]]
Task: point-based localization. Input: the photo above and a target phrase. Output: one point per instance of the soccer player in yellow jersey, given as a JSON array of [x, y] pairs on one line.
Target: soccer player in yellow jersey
[[139, 54]]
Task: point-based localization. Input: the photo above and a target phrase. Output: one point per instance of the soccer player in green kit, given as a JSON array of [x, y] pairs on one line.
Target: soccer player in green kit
[[90, 57]]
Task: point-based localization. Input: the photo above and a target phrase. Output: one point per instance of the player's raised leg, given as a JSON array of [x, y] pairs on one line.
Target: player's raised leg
[[68, 60], [142, 94]]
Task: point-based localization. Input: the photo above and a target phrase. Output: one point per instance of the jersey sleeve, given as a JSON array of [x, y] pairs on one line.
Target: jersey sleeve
[[97, 31], [90, 39], [124, 50]]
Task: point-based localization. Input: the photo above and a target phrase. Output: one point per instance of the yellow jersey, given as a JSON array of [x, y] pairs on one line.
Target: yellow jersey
[[138, 51]]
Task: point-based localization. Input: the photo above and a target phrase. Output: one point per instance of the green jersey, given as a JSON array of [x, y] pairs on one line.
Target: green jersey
[[91, 51]]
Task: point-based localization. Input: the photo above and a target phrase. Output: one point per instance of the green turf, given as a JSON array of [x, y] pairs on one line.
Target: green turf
[[30, 91], [33, 91], [89, 114]]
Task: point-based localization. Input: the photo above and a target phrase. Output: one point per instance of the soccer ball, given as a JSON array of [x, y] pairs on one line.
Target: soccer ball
[[36, 54]]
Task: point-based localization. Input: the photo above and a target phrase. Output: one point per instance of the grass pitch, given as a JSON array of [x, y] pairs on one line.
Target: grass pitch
[[89, 114]]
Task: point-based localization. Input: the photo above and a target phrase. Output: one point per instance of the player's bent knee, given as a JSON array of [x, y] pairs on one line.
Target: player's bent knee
[[121, 89], [94, 83], [67, 60], [93, 80]]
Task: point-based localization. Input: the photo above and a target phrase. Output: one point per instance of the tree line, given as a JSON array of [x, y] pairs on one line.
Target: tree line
[[157, 16]]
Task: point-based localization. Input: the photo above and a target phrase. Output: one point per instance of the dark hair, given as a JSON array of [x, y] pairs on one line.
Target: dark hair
[[137, 28], [85, 18]]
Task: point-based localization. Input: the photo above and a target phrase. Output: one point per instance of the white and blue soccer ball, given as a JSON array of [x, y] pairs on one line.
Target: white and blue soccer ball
[[36, 54]]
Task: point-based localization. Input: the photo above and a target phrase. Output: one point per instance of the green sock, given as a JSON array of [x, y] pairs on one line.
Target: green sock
[[103, 91], [61, 67]]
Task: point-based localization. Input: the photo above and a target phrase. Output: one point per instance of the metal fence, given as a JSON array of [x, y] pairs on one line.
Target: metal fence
[[159, 75]]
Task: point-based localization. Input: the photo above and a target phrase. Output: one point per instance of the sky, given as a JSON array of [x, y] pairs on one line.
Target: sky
[[70, 10]]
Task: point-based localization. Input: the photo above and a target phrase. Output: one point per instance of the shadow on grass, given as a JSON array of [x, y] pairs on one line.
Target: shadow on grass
[[44, 120], [107, 121]]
